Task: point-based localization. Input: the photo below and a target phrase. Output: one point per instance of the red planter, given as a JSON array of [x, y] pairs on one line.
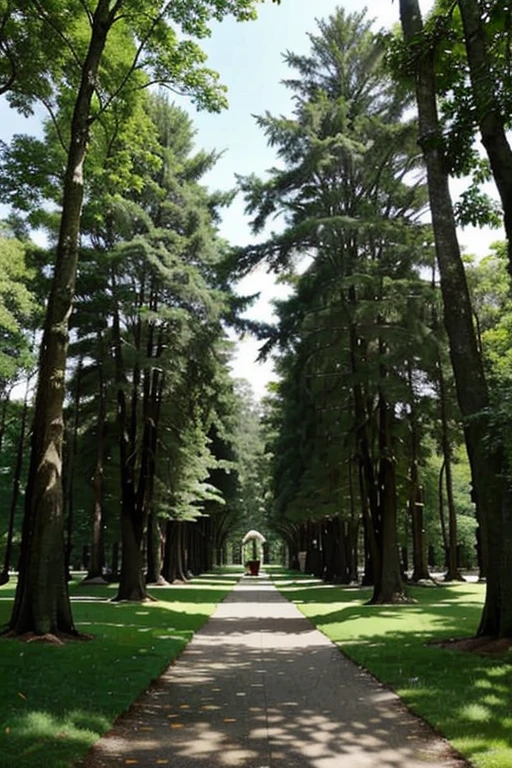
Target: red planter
[[254, 567]]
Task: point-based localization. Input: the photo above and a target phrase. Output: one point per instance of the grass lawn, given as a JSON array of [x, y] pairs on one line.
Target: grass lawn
[[466, 697], [57, 700]]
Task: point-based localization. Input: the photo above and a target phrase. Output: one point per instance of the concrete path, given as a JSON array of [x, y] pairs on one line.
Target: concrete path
[[259, 687]]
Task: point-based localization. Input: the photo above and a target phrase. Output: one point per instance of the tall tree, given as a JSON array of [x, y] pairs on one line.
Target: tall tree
[[484, 450], [170, 58], [349, 205]]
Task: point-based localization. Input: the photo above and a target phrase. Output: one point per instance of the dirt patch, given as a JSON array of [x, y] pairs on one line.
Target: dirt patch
[[482, 646]]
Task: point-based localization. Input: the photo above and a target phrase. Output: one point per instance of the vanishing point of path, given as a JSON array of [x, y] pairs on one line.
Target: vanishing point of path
[[259, 687]]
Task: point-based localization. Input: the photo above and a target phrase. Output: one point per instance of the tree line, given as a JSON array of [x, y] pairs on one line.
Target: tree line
[[386, 348], [113, 183], [390, 350]]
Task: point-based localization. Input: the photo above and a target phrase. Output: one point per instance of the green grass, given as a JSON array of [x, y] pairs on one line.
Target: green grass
[[57, 700], [466, 697]]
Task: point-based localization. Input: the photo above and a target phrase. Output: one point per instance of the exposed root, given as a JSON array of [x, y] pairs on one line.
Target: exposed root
[[399, 598], [161, 582], [482, 646], [93, 580], [50, 638]]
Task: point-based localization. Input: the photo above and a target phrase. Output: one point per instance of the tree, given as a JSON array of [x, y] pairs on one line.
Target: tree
[[350, 206], [42, 604], [484, 450]]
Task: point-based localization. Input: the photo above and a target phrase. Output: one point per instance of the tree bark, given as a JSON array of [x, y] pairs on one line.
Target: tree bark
[[484, 451], [97, 550], [452, 572], [42, 602], [388, 586], [69, 470], [174, 559], [131, 582], [420, 569]]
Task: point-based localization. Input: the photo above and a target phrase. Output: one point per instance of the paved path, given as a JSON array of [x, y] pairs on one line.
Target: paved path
[[259, 687]]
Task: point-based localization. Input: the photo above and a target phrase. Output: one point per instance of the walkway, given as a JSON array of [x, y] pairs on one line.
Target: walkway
[[258, 687]]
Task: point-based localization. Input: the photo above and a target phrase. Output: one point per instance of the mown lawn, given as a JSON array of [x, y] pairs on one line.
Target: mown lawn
[[465, 696], [56, 700]]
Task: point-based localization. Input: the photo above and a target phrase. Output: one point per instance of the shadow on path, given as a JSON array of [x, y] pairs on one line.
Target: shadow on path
[[259, 687]]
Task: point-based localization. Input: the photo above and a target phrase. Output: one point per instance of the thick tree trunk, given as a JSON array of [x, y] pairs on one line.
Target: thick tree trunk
[[174, 565], [335, 552], [484, 451], [42, 602], [154, 551]]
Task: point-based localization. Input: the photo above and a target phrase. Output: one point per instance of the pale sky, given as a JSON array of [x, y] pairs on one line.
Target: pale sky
[[248, 57]]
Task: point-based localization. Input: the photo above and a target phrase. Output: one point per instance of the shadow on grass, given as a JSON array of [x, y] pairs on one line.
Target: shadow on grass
[[466, 697], [238, 698], [56, 701]]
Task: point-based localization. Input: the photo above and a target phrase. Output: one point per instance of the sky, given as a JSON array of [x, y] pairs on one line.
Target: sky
[[249, 59]]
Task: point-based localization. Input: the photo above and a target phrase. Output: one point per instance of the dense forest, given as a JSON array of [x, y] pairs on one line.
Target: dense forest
[[381, 451]]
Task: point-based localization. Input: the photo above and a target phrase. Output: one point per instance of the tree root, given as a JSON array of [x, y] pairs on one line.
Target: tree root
[[482, 646]]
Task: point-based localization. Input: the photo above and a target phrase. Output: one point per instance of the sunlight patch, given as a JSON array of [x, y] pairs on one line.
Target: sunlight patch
[[476, 713]]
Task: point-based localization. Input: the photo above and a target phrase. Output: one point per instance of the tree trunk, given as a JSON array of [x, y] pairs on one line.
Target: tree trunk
[[131, 581], [352, 530], [419, 549], [97, 550], [18, 465], [155, 543], [69, 470], [367, 481], [388, 586], [42, 602], [174, 566], [440, 498], [3, 418], [484, 450], [452, 573]]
